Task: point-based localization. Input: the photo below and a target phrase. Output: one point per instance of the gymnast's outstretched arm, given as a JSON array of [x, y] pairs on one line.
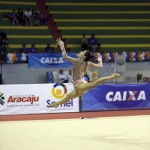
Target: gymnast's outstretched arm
[[63, 51]]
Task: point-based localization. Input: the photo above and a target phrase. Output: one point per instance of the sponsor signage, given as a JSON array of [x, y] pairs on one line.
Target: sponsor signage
[[52, 60], [35, 98], [117, 96]]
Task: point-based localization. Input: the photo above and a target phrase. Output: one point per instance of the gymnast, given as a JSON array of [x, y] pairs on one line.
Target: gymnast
[[81, 66]]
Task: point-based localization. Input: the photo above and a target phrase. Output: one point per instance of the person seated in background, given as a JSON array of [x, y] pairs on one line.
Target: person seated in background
[[97, 52], [98, 48], [43, 19], [35, 17], [62, 77], [3, 40], [33, 49], [21, 17], [24, 49], [84, 43], [48, 48], [92, 41], [13, 17], [28, 16]]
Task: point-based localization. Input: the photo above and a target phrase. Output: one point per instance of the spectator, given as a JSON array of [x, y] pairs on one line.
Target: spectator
[[33, 49], [28, 16], [21, 17], [84, 42], [137, 77], [98, 48], [42, 19], [35, 17], [97, 52], [92, 41], [13, 17], [3, 40], [69, 76], [140, 78], [50, 77], [48, 48], [24, 49], [3, 54], [62, 77]]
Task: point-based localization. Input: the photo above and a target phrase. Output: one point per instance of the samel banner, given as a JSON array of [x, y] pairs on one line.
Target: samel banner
[[35, 98], [117, 97], [49, 60]]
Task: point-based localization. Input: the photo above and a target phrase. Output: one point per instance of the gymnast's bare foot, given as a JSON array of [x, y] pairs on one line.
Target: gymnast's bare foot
[[115, 75]]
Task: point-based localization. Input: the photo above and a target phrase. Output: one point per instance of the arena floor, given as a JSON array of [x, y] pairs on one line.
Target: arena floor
[[93, 133]]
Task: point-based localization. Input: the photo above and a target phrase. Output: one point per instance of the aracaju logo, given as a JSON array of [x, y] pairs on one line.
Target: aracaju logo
[[2, 98], [27, 98], [59, 90]]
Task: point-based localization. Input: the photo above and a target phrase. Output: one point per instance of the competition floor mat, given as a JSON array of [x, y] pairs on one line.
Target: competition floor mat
[[96, 133]]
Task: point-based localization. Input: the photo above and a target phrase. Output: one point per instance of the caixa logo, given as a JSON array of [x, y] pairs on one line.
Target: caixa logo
[[126, 96]]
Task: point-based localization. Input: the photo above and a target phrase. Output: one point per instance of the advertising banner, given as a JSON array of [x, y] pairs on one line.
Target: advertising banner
[[35, 98], [117, 97], [46, 60]]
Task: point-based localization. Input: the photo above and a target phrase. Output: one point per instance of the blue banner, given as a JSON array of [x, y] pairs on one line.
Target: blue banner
[[117, 97], [46, 60]]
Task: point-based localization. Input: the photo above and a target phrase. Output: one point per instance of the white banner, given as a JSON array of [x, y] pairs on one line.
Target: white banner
[[35, 98]]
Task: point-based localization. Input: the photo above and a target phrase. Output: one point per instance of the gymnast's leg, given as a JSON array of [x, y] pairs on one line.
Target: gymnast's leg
[[73, 94], [97, 82], [82, 88]]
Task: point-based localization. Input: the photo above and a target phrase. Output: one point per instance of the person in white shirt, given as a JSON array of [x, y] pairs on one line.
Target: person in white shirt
[[62, 77], [28, 16]]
